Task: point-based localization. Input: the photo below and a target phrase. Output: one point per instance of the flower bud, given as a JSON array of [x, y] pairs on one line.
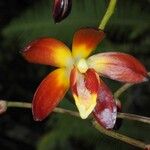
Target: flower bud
[[3, 106], [61, 9]]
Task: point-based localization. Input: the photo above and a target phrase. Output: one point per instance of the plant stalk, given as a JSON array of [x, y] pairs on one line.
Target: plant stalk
[[108, 14], [120, 137]]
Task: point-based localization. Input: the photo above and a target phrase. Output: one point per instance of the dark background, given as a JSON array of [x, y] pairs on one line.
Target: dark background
[[24, 20]]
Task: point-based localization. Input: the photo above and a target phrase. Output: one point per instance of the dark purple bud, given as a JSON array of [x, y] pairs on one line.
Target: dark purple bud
[[61, 9]]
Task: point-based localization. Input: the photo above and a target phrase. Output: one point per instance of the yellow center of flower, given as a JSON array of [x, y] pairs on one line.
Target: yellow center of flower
[[82, 65]]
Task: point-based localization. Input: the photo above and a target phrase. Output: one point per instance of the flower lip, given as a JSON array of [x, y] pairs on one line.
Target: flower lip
[[84, 89]]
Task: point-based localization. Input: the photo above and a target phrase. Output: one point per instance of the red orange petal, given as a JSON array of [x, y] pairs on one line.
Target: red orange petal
[[105, 111], [49, 93], [85, 41], [84, 88], [118, 66], [48, 51]]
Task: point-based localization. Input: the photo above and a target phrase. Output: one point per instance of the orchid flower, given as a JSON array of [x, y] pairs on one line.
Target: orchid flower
[[81, 73]]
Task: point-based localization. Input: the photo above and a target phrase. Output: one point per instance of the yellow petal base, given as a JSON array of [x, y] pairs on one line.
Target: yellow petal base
[[85, 107], [82, 65]]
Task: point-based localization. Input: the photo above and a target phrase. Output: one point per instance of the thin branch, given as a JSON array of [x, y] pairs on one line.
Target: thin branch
[[113, 134], [29, 105], [133, 117], [76, 114], [122, 89], [65, 111], [120, 137], [18, 104], [108, 14]]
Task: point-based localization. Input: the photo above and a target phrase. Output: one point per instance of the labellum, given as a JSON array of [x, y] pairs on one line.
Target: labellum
[[61, 9], [85, 90]]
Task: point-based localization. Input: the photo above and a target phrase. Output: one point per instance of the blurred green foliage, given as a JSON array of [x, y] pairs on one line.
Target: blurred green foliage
[[131, 20], [128, 31]]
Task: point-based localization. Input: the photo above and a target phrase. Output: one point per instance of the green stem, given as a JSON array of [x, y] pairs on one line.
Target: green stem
[[120, 137], [65, 111], [18, 104], [133, 117], [29, 105], [108, 14], [121, 90], [76, 114], [113, 134]]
